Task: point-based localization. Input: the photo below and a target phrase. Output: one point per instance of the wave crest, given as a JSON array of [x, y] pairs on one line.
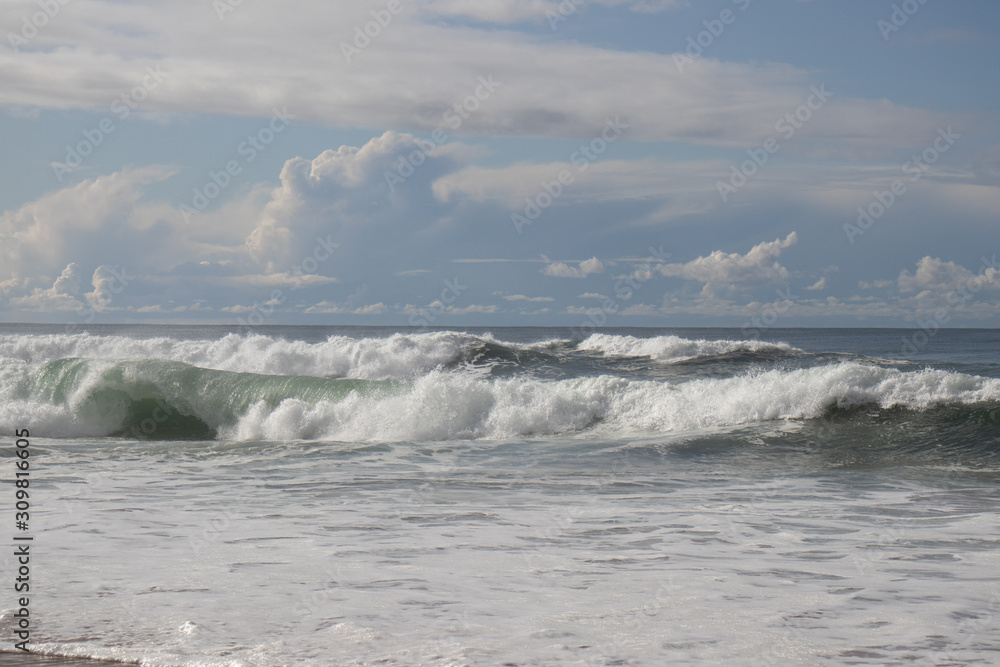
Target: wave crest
[[397, 357], [73, 397], [676, 349]]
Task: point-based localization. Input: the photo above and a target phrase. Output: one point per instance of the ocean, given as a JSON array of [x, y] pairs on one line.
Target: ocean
[[205, 495]]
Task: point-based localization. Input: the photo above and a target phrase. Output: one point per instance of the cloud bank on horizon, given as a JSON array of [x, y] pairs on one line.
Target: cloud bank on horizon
[[501, 162]]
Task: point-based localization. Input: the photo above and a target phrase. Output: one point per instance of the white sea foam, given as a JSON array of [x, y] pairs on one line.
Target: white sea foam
[[444, 407], [396, 357], [431, 404], [401, 356], [675, 348]]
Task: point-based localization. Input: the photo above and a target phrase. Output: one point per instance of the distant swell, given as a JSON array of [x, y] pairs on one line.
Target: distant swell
[[171, 399]]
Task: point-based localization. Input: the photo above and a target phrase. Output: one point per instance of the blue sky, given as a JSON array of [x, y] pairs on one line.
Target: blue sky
[[501, 162]]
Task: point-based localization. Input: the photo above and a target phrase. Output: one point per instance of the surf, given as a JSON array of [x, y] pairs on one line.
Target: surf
[[165, 399]]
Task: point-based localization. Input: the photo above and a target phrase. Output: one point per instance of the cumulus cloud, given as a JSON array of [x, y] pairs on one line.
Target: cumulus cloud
[[934, 274], [61, 296], [333, 194], [386, 247], [582, 270], [876, 284], [733, 270], [68, 281], [288, 242], [107, 282], [372, 309], [102, 220], [65, 293], [325, 308]]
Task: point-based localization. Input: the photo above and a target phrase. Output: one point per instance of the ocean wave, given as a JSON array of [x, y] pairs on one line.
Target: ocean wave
[[400, 356], [676, 349], [396, 357], [168, 399]]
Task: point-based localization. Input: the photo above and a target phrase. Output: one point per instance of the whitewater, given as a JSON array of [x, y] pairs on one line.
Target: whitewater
[[361, 496]]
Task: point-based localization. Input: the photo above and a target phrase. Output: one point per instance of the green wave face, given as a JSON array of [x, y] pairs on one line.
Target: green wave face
[[173, 400]]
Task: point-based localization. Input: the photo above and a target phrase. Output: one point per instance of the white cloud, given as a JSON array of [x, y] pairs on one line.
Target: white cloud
[[325, 308], [733, 270], [331, 196], [100, 219], [563, 270], [510, 11], [61, 296], [261, 281], [417, 69], [68, 281], [494, 11], [472, 309], [65, 293], [640, 310], [107, 282], [372, 309], [161, 309], [939, 276], [522, 297], [108, 224]]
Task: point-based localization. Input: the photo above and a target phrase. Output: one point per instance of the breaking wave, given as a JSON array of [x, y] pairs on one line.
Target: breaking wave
[[166, 399]]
